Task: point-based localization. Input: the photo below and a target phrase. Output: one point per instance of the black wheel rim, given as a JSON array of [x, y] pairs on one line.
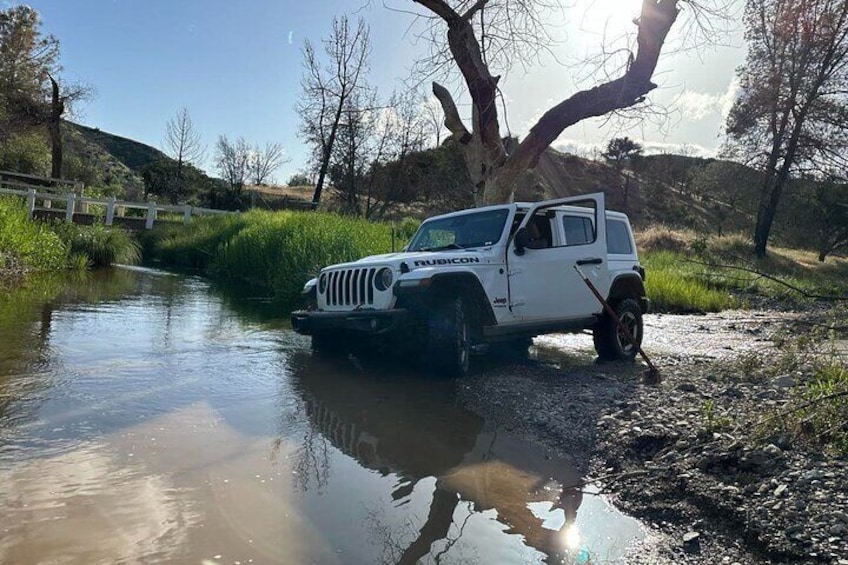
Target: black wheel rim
[[632, 324]]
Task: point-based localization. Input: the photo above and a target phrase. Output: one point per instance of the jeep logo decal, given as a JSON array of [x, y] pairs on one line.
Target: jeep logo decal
[[454, 261]]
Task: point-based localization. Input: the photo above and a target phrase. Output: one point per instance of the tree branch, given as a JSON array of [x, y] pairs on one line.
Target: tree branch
[[452, 120], [655, 21], [474, 9], [440, 8], [782, 282]]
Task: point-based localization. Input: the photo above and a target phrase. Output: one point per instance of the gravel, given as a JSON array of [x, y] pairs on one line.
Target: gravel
[[688, 456]]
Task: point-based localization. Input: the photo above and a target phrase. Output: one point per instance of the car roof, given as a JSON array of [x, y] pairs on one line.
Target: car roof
[[522, 207]]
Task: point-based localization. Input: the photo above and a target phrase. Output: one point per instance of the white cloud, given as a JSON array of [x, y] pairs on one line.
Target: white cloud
[[699, 105], [593, 150]]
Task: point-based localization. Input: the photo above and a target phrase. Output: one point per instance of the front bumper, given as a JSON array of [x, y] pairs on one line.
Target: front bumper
[[368, 322]]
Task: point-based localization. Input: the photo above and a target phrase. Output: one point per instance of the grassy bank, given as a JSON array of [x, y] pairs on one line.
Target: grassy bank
[[31, 247], [690, 273], [276, 250]]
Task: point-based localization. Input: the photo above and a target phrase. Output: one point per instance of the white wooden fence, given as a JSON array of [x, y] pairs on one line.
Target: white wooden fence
[[76, 204]]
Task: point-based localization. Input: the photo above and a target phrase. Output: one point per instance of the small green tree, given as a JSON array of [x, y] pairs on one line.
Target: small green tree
[[622, 152], [299, 179]]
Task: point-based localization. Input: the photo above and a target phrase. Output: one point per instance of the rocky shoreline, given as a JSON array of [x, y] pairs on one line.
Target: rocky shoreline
[[695, 457]]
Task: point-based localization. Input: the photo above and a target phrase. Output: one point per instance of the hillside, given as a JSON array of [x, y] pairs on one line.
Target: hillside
[[107, 161]]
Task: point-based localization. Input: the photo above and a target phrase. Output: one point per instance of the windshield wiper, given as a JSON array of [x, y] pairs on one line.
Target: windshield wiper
[[443, 247]]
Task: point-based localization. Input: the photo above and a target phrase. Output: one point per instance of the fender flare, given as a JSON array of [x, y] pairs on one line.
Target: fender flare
[[629, 285], [439, 283]]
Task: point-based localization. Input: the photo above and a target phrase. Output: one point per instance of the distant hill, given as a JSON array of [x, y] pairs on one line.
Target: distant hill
[[132, 154], [100, 158]]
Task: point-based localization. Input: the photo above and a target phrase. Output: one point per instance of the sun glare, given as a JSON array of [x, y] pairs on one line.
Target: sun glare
[[572, 537], [608, 19]]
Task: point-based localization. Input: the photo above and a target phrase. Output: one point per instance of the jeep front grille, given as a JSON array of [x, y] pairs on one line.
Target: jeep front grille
[[351, 287]]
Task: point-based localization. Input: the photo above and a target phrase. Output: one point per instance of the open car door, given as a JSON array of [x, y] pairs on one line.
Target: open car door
[[553, 237]]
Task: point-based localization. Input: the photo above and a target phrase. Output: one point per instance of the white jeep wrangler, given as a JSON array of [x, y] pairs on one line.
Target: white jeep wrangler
[[500, 274]]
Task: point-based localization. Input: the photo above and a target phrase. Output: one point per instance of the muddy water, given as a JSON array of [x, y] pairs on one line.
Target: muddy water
[[145, 417]]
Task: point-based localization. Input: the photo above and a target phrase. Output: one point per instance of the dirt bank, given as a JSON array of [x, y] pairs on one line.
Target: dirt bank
[[691, 456]]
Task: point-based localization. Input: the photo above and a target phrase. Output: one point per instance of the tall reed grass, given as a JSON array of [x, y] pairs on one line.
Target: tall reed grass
[[277, 250]]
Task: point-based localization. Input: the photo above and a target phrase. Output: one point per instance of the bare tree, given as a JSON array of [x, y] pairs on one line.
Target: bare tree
[[232, 161], [182, 140], [263, 162], [399, 132], [326, 88], [182, 143], [792, 116], [434, 119], [505, 28], [62, 97]]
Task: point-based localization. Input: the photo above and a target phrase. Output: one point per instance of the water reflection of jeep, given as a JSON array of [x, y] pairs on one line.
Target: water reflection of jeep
[[470, 279], [416, 430]]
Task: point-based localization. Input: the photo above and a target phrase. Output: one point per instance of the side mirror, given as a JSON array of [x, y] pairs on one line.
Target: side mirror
[[521, 240]]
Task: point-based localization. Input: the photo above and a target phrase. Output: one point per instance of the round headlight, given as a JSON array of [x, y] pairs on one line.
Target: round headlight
[[383, 280], [322, 283]]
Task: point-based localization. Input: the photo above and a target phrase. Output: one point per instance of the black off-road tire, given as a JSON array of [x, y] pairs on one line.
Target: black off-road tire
[[610, 342], [448, 349]]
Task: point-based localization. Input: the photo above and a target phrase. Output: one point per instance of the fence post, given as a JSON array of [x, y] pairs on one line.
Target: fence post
[[186, 213], [30, 202], [69, 209], [151, 215], [110, 211]]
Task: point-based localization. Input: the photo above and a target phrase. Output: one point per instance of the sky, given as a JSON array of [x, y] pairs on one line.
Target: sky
[[236, 67]]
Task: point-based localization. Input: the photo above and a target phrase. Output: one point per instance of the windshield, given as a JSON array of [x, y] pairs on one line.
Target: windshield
[[480, 229]]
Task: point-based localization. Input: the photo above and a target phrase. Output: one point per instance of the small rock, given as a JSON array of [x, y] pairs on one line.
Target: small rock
[[687, 387], [780, 489], [691, 538], [773, 450], [783, 381], [794, 530]]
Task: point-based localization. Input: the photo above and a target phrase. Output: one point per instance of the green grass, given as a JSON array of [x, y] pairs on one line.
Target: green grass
[[821, 409], [31, 247], [676, 286], [26, 246], [684, 273], [277, 250]]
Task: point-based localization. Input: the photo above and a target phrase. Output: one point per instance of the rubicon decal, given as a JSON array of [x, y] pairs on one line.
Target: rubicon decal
[[452, 261]]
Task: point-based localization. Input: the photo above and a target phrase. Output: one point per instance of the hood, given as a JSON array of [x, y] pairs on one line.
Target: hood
[[420, 259]]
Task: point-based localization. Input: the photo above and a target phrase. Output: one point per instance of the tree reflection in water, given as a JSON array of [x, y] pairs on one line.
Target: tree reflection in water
[[414, 427]]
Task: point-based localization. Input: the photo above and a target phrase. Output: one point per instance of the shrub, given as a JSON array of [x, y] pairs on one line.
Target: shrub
[[102, 245]]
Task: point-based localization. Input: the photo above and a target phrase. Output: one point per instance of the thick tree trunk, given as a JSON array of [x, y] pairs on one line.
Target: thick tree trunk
[[437, 526]]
